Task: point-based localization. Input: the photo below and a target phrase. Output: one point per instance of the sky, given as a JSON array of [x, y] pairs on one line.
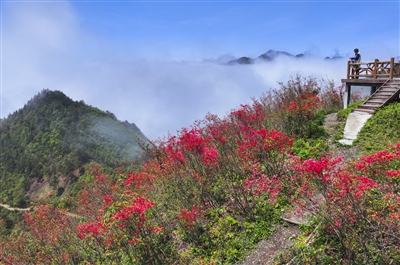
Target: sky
[[160, 64]]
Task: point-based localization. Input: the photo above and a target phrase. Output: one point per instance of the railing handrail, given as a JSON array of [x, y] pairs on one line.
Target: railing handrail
[[373, 69]]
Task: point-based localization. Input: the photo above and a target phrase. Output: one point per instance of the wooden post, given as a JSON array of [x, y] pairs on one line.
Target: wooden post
[[348, 69], [375, 71], [391, 68]]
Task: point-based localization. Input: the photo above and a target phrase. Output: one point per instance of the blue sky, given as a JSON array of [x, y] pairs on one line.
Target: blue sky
[[155, 63]]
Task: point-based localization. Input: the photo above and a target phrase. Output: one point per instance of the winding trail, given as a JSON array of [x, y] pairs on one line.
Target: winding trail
[[266, 250], [10, 208]]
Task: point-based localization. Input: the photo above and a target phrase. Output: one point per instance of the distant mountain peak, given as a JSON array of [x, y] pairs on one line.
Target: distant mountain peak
[[269, 56]]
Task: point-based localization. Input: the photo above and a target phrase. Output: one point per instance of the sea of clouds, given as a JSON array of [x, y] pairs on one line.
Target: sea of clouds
[[46, 49]]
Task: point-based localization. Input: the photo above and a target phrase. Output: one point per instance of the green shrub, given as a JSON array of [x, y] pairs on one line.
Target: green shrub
[[344, 113], [306, 149], [381, 129]]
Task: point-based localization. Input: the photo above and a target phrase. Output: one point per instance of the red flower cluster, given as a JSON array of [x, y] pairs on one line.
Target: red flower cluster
[[190, 216], [136, 210], [90, 228]]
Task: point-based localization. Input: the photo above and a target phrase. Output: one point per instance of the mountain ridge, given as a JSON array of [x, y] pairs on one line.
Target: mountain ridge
[[47, 143], [270, 56]]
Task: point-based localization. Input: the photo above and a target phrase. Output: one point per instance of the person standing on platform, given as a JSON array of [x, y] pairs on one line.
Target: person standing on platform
[[355, 61]]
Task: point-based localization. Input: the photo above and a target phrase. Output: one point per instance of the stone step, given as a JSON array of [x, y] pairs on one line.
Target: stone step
[[387, 89], [376, 101], [387, 95], [382, 97], [368, 108], [369, 111], [378, 97], [371, 104], [385, 92], [382, 94]]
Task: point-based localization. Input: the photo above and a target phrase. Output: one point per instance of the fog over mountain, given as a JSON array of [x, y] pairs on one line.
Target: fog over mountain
[[163, 70], [161, 97]]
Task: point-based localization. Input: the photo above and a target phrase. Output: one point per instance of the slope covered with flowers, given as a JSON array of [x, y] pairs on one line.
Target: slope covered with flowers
[[209, 193]]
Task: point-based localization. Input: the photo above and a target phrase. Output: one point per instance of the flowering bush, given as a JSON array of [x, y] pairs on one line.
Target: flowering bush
[[48, 236], [292, 108], [359, 206], [207, 194]]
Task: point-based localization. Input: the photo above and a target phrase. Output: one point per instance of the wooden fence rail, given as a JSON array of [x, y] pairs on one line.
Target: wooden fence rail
[[376, 69]]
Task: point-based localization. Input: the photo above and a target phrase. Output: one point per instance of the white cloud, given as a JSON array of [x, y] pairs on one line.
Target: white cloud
[[44, 48]]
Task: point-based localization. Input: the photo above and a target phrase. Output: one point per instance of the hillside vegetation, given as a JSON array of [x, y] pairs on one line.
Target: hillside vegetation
[[381, 130], [210, 193], [52, 138]]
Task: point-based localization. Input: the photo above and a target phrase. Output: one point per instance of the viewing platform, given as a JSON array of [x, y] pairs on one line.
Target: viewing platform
[[383, 78]]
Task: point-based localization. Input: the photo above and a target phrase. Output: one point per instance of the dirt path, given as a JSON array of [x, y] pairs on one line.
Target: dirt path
[[10, 208], [267, 249]]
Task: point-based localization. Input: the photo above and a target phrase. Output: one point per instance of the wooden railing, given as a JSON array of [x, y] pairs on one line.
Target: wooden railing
[[376, 69]]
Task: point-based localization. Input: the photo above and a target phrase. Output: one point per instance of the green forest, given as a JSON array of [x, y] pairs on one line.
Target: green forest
[[209, 194], [53, 136]]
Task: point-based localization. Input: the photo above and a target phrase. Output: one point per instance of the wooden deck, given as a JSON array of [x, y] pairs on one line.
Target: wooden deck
[[382, 77]]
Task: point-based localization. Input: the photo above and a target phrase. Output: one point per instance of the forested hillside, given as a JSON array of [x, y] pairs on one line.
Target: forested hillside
[[52, 138]]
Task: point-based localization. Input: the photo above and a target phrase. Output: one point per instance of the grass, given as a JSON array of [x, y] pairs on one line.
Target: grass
[[382, 129]]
